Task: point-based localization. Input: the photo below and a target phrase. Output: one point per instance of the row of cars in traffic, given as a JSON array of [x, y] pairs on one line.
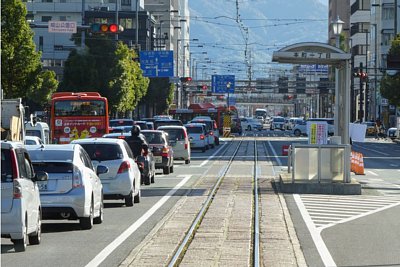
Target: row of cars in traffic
[[71, 181]]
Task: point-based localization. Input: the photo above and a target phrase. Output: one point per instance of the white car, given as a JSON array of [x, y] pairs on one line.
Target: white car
[[73, 190], [277, 123], [250, 124], [179, 140], [211, 125], [123, 179], [301, 128], [33, 140], [21, 217], [197, 135]]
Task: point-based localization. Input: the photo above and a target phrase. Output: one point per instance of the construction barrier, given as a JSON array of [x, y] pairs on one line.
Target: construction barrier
[[357, 163], [226, 131]]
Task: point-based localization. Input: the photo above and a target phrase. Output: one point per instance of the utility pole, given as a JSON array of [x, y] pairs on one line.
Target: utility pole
[[361, 110]]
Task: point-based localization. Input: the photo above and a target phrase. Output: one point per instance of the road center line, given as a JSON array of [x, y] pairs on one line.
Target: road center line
[[96, 261]]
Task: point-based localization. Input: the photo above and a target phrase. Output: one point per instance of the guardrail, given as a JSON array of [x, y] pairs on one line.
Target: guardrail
[[319, 163]]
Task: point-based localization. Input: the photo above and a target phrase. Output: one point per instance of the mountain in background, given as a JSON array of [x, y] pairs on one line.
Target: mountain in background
[[271, 25]]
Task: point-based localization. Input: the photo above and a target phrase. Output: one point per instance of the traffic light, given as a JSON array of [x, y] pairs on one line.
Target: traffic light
[[186, 79], [360, 74], [106, 28]]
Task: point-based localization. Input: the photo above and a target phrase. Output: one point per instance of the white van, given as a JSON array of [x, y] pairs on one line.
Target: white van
[[179, 141], [39, 129]]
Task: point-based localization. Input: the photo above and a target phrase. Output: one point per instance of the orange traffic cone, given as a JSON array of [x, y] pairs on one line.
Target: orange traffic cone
[[361, 165]]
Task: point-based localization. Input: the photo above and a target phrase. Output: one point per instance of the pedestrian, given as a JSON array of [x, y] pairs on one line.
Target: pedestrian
[[377, 127]]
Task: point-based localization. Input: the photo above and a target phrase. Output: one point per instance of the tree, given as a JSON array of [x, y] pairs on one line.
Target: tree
[[390, 84], [160, 94], [21, 69], [128, 85]]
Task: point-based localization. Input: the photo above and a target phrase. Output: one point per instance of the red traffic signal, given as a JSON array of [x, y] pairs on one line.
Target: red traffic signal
[[106, 28], [186, 79]]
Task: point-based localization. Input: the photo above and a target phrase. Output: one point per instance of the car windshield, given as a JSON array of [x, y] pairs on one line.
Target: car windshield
[[102, 152], [175, 134], [6, 170], [153, 137]]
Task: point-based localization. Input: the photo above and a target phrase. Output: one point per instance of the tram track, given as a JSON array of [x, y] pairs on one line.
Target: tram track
[[242, 146]]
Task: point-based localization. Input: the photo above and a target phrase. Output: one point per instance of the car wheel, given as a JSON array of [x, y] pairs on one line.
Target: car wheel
[[297, 132], [136, 199], [166, 170], [35, 238], [21, 244], [100, 218], [87, 222], [187, 161], [129, 200]]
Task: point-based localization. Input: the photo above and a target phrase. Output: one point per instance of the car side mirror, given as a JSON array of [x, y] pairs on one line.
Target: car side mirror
[[101, 169]]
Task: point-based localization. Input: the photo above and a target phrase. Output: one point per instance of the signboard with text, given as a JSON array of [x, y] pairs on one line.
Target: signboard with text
[[157, 63], [223, 83], [317, 132], [62, 26]]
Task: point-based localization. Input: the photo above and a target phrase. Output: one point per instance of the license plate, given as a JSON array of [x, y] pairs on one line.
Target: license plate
[[158, 159], [42, 185]]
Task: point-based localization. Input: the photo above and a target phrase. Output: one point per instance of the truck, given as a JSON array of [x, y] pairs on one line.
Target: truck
[[12, 120]]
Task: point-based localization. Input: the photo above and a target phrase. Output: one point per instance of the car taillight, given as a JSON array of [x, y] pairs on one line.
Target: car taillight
[[17, 189], [202, 137], [124, 167], [14, 164], [76, 178], [164, 152], [211, 133]]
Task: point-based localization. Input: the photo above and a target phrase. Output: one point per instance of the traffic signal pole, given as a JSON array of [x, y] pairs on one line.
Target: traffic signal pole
[[361, 110]]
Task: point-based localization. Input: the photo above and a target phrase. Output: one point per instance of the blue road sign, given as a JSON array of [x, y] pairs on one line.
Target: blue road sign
[[157, 63], [223, 84]]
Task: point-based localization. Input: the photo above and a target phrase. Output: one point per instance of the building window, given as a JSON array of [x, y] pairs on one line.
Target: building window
[[47, 1], [388, 13], [387, 38], [46, 18], [125, 2], [127, 23], [40, 43], [30, 17], [63, 18]]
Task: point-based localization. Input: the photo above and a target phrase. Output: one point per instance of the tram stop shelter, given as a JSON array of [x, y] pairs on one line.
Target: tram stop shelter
[[332, 173]]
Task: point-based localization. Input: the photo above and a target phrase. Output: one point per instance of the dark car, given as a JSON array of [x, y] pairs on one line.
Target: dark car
[[164, 122], [162, 151], [146, 162], [119, 124], [142, 125]]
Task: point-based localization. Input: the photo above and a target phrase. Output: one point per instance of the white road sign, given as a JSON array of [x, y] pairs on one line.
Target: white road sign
[[62, 26]]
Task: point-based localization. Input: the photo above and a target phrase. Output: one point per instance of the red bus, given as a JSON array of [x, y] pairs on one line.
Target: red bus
[[204, 109], [78, 115]]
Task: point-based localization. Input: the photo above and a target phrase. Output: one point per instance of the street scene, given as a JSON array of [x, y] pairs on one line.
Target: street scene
[[200, 133]]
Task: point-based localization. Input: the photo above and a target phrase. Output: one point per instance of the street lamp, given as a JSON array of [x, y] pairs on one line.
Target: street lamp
[[337, 27]]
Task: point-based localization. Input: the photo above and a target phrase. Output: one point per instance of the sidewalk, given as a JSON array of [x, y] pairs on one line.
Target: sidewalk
[[225, 237]]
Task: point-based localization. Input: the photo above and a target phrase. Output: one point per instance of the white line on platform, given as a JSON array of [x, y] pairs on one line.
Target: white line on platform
[[373, 173], [131, 229], [315, 234]]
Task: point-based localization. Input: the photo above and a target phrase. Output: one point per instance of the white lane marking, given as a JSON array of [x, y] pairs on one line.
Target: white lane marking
[[212, 156], [393, 165], [96, 261], [315, 234], [373, 173], [274, 152]]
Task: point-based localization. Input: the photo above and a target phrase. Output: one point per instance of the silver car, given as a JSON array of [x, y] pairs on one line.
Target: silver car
[[197, 136], [122, 181], [73, 190], [21, 218], [179, 140]]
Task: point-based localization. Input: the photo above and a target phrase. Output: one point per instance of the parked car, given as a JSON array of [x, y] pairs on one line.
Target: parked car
[[250, 124], [393, 133], [197, 136], [33, 140], [73, 190], [21, 210], [212, 125], [179, 140], [163, 122], [121, 129], [301, 129], [116, 123], [371, 131], [146, 162], [123, 179], [162, 151], [277, 123], [292, 122]]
